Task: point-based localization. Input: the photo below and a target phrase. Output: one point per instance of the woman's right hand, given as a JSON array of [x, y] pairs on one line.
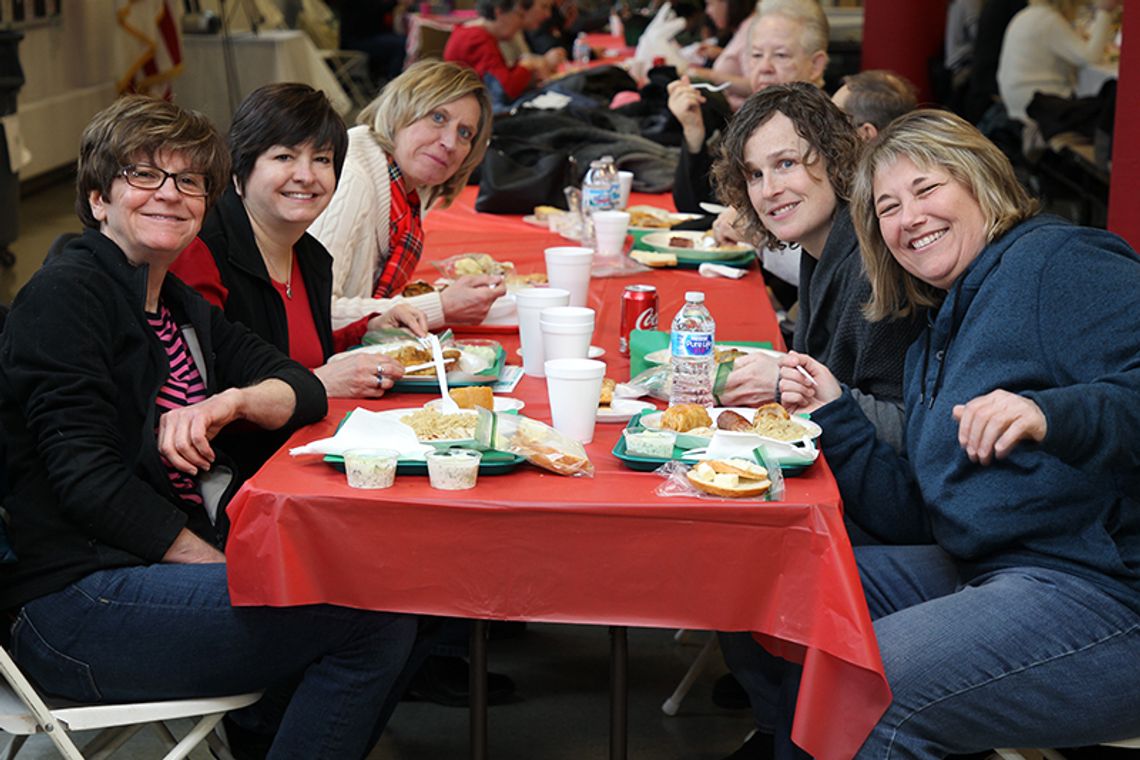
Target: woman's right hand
[[359, 374], [188, 549], [752, 381], [685, 104], [468, 299]]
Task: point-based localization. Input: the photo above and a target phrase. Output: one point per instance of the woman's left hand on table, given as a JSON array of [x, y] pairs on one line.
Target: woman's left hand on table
[[992, 425], [401, 315], [469, 298], [359, 374], [805, 384]]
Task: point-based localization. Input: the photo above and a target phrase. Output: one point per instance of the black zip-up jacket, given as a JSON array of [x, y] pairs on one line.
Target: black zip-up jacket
[[80, 368]]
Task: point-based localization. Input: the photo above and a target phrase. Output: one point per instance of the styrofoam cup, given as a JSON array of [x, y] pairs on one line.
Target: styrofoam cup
[[568, 267], [625, 180], [574, 386], [530, 303], [566, 332], [609, 233]]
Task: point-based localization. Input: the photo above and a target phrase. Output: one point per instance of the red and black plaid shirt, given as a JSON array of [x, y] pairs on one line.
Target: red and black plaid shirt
[[405, 237]]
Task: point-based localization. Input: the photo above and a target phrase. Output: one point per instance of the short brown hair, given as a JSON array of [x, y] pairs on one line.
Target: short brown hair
[[932, 139], [878, 97], [288, 114], [830, 137], [424, 86], [137, 127]]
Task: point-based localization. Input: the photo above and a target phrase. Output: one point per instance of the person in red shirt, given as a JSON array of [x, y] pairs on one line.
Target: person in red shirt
[[476, 44], [253, 257]]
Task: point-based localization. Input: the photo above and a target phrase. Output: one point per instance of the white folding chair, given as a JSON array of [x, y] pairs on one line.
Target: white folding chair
[[673, 703], [24, 712]]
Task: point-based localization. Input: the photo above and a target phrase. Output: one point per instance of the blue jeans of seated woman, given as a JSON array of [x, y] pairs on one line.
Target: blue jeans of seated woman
[[1025, 657], [168, 632]]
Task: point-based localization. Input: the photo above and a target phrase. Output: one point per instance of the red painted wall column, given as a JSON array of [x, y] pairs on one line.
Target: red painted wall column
[[1124, 185], [901, 36]]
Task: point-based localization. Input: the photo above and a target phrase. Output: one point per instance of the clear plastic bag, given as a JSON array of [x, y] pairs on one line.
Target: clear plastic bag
[[677, 482], [454, 267], [655, 381], [534, 441]]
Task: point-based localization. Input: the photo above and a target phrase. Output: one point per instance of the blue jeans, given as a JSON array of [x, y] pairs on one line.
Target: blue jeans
[[168, 631], [1025, 657]]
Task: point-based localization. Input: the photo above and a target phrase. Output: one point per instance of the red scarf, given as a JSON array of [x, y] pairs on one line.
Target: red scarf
[[405, 237]]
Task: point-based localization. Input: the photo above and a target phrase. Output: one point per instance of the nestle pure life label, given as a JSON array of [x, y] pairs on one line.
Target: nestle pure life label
[[691, 344]]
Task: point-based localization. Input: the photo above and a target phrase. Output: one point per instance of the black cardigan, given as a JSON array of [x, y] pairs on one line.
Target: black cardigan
[[79, 371]]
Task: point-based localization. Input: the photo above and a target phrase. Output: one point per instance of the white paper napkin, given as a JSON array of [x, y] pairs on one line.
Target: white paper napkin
[[365, 429], [708, 269]]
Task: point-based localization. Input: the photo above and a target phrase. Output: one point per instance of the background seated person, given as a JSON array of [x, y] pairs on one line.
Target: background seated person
[[788, 157], [476, 44], [787, 43], [567, 19], [518, 48], [873, 99], [415, 144], [1016, 500], [114, 380], [728, 57]]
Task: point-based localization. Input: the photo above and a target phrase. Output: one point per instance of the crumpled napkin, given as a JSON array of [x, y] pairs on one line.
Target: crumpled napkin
[[366, 429], [708, 269]]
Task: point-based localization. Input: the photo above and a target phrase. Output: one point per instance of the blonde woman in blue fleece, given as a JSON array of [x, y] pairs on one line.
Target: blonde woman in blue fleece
[[1006, 596]]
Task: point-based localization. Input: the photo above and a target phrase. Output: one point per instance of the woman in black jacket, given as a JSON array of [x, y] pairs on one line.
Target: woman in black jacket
[[114, 380]]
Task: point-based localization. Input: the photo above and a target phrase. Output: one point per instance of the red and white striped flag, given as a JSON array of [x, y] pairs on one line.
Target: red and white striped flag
[[161, 59]]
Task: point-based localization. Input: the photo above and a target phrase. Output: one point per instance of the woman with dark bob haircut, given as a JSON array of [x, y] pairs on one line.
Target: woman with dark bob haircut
[[786, 165], [1006, 594], [114, 380]]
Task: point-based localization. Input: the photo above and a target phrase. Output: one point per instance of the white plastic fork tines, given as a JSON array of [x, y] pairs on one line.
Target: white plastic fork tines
[[710, 87]]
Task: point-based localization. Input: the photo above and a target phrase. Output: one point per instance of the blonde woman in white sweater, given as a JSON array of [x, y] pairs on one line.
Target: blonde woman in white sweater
[[415, 144], [1042, 51]]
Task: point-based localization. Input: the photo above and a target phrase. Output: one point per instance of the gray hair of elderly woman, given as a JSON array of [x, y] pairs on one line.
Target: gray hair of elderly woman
[[423, 87], [136, 129], [288, 114], [809, 13], [878, 97], [486, 8], [932, 140], [830, 136]]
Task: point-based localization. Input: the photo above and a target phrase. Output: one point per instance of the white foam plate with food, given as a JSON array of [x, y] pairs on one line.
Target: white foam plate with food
[[445, 440], [651, 218], [703, 246], [692, 440], [622, 409], [661, 355], [502, 404]]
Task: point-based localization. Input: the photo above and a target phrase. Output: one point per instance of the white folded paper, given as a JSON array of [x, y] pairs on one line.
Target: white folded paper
[[368, 430], [708, 269]]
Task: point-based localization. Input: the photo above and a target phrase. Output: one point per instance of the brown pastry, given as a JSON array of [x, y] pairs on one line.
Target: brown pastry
[[473, 396], [607, 397], [417, 288], [685, 417], [730, 420]]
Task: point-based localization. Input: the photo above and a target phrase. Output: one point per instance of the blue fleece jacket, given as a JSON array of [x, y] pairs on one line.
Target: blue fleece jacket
[[1050, 311]]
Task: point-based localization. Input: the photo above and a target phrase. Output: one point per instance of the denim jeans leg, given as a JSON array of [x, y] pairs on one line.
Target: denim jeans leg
[[1024, 657], [169, 632]]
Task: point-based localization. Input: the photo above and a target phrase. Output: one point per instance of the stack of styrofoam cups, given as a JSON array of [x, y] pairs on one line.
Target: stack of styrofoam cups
[[574, 386], [609, 234], [568, 267], [625, 182], [530, 303], [566, 332]]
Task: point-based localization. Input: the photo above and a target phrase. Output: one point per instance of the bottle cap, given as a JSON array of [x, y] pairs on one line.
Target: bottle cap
[[695, 296]]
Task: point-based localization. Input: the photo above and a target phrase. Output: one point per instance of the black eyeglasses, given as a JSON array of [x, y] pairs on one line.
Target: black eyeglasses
[[147, 177]]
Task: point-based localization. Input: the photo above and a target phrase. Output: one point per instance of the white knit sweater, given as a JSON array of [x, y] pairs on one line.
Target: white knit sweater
[[1041, 52], [354, 229]]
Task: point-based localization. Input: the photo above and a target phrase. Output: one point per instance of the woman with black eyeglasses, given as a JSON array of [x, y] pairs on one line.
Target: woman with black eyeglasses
[[114, 380]]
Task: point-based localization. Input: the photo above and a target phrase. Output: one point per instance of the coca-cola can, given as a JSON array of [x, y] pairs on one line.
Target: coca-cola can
[[638, 312]]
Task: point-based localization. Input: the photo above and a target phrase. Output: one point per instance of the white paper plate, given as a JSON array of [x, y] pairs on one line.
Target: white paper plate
[[687, 441], [661, 355], [659, 241], [676, 217], [503, 312], [593, 353], [502, 403], [623, 409]]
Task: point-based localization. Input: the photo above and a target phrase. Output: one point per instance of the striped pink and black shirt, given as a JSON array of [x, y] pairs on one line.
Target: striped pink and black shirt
[[183, 387]]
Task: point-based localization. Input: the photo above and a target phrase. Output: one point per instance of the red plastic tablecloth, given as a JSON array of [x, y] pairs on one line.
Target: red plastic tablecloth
[[532, 545]]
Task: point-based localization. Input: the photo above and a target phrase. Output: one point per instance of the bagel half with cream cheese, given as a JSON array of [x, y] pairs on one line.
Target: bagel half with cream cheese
[[731, 478]]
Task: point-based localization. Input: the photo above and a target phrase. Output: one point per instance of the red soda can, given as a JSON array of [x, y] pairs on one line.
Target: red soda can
[[638, 312]]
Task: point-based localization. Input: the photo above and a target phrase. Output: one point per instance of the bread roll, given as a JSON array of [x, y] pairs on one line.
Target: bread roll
[[473, 396], [730, 478]]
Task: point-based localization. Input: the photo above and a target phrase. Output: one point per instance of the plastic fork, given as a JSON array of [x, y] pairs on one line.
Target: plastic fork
[[710, 87], [447, 404]]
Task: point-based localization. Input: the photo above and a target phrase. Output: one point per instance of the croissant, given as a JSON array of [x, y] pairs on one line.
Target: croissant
[[685, 417]]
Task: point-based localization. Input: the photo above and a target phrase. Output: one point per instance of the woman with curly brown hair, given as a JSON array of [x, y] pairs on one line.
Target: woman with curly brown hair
[[786, 162]]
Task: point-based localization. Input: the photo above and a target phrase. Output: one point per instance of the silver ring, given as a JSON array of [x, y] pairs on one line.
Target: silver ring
[[379, 374]]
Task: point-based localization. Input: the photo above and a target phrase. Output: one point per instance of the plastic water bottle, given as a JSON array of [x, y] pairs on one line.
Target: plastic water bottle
[[691, 351], [581, 52], [597, 195], [609, 170]]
